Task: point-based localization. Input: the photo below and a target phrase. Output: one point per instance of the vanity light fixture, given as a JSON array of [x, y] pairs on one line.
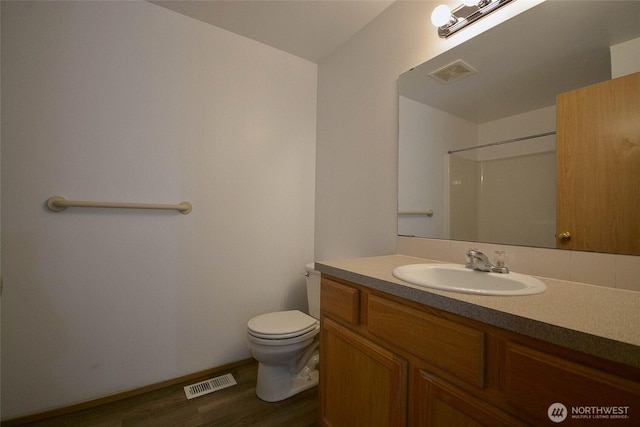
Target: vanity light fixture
[[450, 22]]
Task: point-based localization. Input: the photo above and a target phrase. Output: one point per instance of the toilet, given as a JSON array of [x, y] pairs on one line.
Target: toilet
[[285, 344]]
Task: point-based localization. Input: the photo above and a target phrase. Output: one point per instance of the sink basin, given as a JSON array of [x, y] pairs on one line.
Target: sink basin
[[457, 278]]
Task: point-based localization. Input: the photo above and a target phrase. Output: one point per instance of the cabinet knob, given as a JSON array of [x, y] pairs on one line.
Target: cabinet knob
[[564, 236]]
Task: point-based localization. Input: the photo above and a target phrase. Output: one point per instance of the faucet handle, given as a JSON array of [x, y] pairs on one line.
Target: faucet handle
[[469, 255]]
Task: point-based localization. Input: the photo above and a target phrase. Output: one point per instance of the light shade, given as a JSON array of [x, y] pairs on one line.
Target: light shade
[[441, 15]]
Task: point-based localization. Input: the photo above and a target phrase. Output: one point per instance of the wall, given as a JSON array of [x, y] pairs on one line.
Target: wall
[[356, 179], [127, 101], [425, 136], [625, 59]]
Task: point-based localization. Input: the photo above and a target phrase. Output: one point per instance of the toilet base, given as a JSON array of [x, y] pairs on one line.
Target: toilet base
[[276, 383]]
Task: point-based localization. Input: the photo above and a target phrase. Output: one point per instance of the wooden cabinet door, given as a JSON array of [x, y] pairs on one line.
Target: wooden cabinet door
[[535, 380], [439, 404], [598, 167], [361, 384]]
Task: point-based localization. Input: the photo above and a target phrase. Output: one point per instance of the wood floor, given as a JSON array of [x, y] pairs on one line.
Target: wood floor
[[234, 406]]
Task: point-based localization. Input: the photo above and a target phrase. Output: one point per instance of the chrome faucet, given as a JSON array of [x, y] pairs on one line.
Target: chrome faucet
[[476, 260]]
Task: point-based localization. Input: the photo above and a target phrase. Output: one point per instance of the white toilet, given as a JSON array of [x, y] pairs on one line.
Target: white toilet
[[285, 344]]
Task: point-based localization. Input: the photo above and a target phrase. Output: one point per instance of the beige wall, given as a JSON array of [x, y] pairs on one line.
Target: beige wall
[[128, 101], [356, 179], [625, 58]]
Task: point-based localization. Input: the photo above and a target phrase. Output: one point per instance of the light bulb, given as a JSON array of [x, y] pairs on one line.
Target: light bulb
[[441, 15], [470, 2]]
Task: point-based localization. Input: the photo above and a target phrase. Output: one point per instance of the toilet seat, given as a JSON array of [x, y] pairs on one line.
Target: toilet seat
[[282, 325]]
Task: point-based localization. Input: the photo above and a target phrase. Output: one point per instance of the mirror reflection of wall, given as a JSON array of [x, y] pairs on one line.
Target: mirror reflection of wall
[[426, 134]]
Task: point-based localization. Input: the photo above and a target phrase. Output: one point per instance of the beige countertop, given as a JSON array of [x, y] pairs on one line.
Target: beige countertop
[[596, 320]]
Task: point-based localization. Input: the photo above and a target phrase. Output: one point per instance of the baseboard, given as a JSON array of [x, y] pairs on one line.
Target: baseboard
[[122, 395]]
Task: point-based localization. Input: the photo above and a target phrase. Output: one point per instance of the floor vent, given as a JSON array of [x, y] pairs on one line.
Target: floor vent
[[209, 386]]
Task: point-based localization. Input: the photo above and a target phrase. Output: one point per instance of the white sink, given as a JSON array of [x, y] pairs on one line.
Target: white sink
[[457, 278]]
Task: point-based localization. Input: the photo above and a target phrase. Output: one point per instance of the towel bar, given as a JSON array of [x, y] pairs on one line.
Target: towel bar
[[59, 203]]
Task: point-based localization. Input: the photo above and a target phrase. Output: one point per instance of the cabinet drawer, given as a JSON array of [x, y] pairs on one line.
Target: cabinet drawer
[[341, 302], [454, 348], [536, 380]]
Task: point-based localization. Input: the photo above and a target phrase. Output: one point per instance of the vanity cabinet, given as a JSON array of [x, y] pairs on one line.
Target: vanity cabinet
[[391, 362], [364, 384]]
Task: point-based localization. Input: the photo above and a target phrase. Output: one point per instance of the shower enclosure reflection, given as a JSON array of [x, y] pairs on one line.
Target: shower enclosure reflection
[[487, 200], [478, 187]]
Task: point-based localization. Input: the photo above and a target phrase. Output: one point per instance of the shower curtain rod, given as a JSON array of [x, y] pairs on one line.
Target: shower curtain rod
[[506, 141]]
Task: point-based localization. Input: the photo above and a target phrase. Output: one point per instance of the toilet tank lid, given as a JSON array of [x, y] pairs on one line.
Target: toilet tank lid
[[311, 268], [282, 323]]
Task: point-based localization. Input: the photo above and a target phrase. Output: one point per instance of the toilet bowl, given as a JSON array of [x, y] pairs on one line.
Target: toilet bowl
[[285, 344]]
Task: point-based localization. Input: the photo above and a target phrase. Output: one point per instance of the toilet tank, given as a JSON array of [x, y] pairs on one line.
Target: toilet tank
[[313, 290]]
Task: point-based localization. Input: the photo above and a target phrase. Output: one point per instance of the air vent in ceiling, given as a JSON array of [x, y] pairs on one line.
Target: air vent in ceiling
[[453, 72]]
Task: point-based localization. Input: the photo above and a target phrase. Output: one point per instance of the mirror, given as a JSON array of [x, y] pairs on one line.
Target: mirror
[[501, 97]]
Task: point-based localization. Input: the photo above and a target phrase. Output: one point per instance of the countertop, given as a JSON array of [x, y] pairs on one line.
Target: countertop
[[596, 320]]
